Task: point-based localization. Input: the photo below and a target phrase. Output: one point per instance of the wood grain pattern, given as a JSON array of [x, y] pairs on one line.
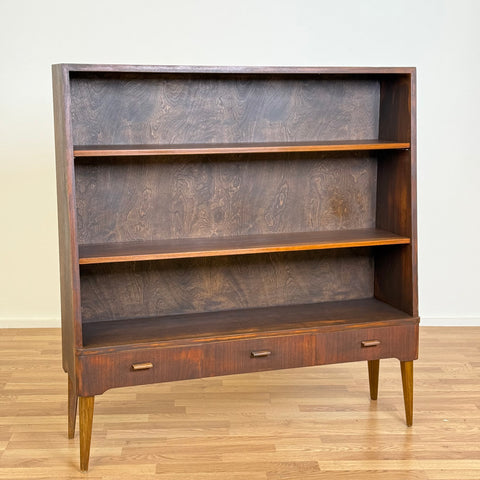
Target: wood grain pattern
[[407, 382], [241, 245], [101, 371], [283, 164], [78, 69], [143, 109], [148, 289], [413, 189], [100, 337], [315, 422], [142, 199], [396, 108], [396, 194], [395, 268], [399, 341], [284, 352], [373, 374], [215, 359], [86, 405], [72, 406], [223, 148], [69, 270]]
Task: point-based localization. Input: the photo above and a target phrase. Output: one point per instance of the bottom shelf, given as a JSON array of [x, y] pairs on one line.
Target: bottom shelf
[[237, 324]]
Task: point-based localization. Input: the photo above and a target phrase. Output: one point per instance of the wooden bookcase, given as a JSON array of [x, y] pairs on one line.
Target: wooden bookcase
[[216, 221]]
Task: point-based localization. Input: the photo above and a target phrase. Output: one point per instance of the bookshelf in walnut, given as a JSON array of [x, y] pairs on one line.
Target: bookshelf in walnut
[[223, 220]]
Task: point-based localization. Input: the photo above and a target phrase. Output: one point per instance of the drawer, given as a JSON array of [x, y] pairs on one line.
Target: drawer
[[367, 344], [97, 373], [273, 353]]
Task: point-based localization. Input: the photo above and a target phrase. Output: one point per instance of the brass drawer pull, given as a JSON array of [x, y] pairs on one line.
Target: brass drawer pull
[[260, 353], [142, 366], [370, 343]]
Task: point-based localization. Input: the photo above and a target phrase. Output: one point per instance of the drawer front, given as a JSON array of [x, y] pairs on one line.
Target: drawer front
[[97, 373], [368, 344], [257, 355]]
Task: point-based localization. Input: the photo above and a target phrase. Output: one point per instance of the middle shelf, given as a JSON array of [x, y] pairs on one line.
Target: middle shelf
[[238, 245], [230, 148]]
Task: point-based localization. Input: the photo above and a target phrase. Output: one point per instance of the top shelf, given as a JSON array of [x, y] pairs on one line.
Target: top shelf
[[225, 148]]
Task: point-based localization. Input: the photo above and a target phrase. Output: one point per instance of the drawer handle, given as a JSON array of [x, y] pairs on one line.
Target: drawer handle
[[370, 343], [260, 353], [142, 366]]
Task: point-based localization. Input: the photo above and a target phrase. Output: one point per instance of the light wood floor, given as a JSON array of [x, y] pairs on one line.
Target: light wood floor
[[311, 423]]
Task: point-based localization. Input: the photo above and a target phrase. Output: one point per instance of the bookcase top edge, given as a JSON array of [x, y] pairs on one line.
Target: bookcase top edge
[[200, 69]]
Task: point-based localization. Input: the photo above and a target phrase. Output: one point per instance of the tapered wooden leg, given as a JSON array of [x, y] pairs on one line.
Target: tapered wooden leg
[[407, 381], [72, 407], [86, 420], [373, 369]]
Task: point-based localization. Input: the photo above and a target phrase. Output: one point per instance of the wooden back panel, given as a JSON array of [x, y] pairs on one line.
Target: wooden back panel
[[194, 108], [127, 199], [146, 289]]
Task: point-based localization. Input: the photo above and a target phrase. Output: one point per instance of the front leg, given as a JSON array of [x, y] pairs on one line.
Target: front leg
[[86, 420], [373, 370], [407, 381]]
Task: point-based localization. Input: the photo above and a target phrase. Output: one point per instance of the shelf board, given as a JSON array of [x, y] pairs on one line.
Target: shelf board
[[219, 148], [240, 245], [207, 327]]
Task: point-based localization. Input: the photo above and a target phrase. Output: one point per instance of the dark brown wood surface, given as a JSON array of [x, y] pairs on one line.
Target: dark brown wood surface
[[413, 192], [395, 108], [221, 358], [396, 269], [98, 373], [84, 68], [132, 290], [241, 245], [69, 270], [242, 190], [129, 109], [222, 148], [241, 323], [72, 404], [129, 199], [108, 370], [396, 341], [283, 352]]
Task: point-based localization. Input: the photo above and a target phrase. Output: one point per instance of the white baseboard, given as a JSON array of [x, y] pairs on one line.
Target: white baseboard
[[29, 322], [52, 322], [449, 321]]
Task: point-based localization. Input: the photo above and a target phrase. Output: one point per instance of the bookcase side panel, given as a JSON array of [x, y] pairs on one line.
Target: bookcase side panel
[[396, 268], [395, 108], [69, 270], [413, 182]]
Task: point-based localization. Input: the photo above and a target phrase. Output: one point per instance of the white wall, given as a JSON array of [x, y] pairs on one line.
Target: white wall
[[440, 38]]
